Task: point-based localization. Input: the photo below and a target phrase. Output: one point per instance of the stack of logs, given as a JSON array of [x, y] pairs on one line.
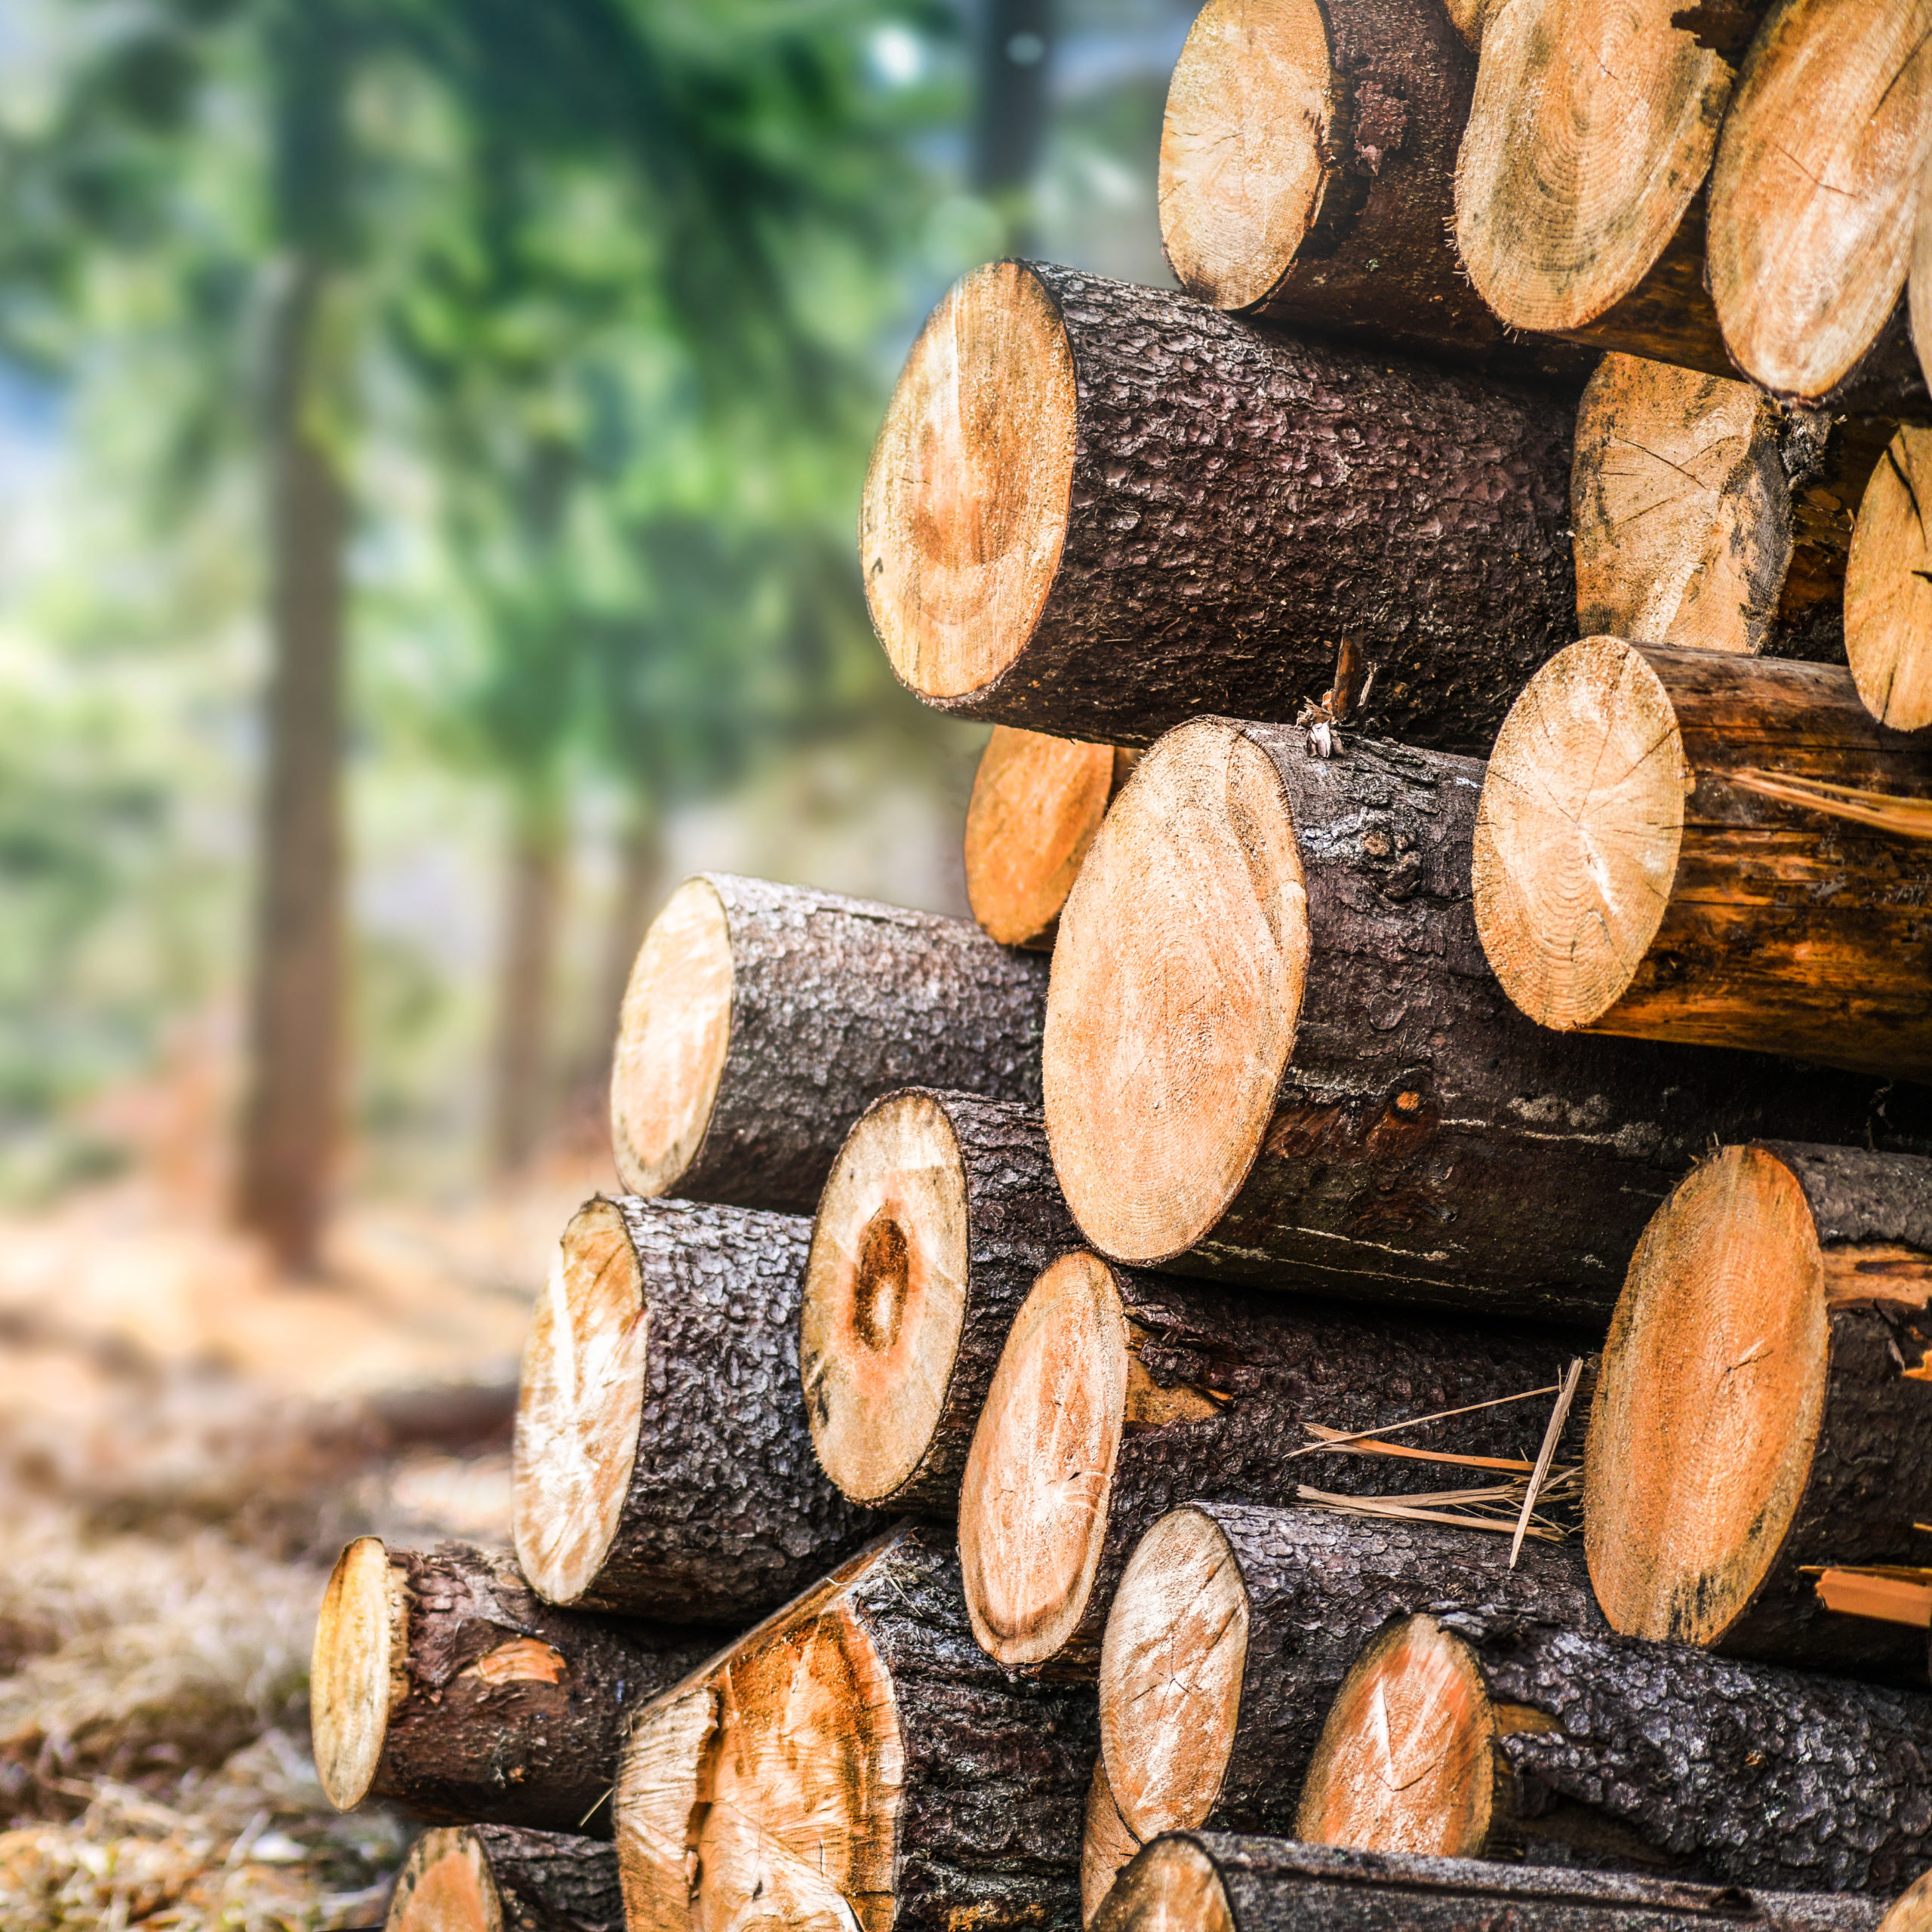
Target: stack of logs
[[1356, 1351]]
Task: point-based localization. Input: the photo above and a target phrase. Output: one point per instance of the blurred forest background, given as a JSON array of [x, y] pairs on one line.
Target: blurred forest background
[[431, 437]]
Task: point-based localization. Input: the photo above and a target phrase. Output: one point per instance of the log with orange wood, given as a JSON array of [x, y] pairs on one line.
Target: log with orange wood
[[858, 1758], [499, 1878], [1476, 1735], [1275, 1053]]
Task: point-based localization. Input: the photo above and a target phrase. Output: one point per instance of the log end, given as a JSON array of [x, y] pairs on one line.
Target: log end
[[1888, 587], [1171, 1665], [1033, 1505], [1171, 1886], [885, 1296], [1592, 130], [579, 1405], [1107, 1845], [1406, 1760], [1249, 124], [446, 1885], [358, 1670], [1709, 1402], [1912, 1910], [967, 496], [664, 1779], [1176, 986], [1037, 803], [673, 1033], [1578, 831]]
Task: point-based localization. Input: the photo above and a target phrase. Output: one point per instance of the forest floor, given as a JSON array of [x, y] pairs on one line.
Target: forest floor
[[185, 1442]]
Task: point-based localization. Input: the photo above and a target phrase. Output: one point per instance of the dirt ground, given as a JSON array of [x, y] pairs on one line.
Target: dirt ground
[[185, 1444]]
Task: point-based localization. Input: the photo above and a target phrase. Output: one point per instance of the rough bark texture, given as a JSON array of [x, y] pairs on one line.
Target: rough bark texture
[[499, 1878], [1242, 502], [835, 1001], [1870, 1475], [1318, 1586], [996, 1771], [1219, 1385], [1521, 1180], [1829, 460], [1660, 1753], [1015, 1224], [1375, 260], [511, 1712], [728, 1513], [1274, 1885]]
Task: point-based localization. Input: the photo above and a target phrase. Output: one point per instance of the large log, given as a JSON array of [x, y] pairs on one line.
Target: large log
[[1477, 1736], [1812, 195], [761, 1020], [861, 1763], [1037, 803], [1706, 517], [1119, 1395], [1888, 584], [441, 1680], [1212, 1882], [1233, 1627], [1095, 509], [940, 1210], [1274, 1052], [663, 1466], [1764, 1410], [1626, 883], [498, 1878], [1308, 155]]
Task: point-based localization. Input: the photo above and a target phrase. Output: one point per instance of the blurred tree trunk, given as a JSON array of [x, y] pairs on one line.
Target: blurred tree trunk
[[533, 908], [290, 1114], [1010, 129]]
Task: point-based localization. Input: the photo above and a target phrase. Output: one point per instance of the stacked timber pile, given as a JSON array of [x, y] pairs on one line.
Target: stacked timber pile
[[1367, 1325]]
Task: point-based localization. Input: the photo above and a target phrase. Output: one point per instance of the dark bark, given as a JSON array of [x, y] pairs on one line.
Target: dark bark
[[1519, 1177], [513, 1712], [1243, 501], [996, 1770], [1379, 262], [1870, 1482], [1015, 1224], [836, 1001], [1274, 1885], [1737, 1773], [1828, 460], [728, 1513], [1318, 1586], [535, 1882], [532, 904], [1257, 1369]]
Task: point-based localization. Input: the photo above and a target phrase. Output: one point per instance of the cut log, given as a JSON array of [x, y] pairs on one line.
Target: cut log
[[1274, 1052], [1765, 1407], [1476, 1736], [1119, 1395], [761, 1020], [940, 1211], [1210, 1882], [1095, 510], [1625, 884], [1706, 517], [1888, 587], [441, 1680], [1233, 1627], [1307, 159], [1106, 1844], [1590, 134], [1812, 196], [1037, 803], [498, 1878], [867, 1765], [663, 1466]]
